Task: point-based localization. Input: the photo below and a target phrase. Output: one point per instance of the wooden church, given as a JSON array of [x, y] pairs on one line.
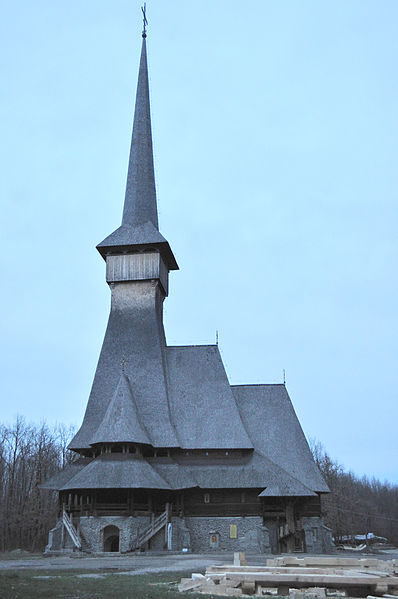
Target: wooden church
[[170, 456]]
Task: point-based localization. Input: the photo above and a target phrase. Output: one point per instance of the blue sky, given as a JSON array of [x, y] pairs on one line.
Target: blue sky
[[275, 137]]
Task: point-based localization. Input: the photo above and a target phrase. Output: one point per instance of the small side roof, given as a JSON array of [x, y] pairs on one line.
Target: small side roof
[[121, 422], [281, 490], [137, 237], [202, 406], [117, 471], [62, 478]]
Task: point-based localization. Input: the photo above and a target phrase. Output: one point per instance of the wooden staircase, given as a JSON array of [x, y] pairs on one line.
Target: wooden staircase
[[73, 533], [150, 531]]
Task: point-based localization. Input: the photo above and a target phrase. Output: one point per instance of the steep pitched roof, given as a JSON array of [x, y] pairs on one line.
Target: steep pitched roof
[[140, 200], [202, 406], [140, 226], [136, 336], [270, 420], [121, 421]]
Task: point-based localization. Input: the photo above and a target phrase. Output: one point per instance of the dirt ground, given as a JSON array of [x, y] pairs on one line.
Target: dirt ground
[[145, 563], [28, 576]]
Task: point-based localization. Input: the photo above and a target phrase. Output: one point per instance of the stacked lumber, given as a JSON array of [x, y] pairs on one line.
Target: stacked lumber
[[336, 562], [306, 578]]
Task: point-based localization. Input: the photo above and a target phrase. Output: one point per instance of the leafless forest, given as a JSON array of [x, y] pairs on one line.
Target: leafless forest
[[29, 454], [357, 505]]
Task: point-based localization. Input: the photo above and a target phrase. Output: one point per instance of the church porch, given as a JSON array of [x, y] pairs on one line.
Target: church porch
[[198, 520]]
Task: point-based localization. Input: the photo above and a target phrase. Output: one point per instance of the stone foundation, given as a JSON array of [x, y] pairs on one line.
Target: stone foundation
[[192, 534], [318, 537], [218, 534]]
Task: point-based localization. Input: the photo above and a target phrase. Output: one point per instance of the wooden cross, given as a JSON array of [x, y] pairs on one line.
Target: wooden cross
[[145, 20]]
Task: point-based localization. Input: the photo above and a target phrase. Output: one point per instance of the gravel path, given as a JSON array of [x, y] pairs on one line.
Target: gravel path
[[143, 564]]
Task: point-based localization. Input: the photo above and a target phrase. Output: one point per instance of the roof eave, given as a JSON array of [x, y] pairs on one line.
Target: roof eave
[[163, 248]]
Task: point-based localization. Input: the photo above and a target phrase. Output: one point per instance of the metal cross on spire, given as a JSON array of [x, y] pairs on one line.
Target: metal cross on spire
[[145, 20]]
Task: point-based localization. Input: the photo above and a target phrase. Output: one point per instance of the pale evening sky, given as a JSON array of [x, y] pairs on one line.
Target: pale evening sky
[[275, 136]]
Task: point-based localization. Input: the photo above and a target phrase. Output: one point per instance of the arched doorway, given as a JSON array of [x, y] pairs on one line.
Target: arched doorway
[[111, 538]]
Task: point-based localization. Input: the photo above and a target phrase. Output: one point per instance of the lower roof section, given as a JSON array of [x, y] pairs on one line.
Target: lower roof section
[[112, 471], [180, 398], [63, 477], [120, 471]]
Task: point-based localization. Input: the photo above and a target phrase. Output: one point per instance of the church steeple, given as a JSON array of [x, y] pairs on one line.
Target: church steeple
[[140, 229], [140, 200]]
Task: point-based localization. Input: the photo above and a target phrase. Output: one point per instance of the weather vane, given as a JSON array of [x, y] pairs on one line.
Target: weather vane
[[143, 8]]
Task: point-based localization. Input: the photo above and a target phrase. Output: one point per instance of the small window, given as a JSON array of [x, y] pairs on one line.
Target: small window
[[132, 449], [149, 452], [162, 453], [206, 497]]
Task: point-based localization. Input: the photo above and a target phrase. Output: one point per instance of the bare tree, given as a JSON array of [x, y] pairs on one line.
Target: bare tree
[[356, 505], [29, 454]]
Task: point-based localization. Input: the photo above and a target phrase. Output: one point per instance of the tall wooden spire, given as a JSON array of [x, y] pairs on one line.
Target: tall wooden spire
[[140, 227], [140, 200]]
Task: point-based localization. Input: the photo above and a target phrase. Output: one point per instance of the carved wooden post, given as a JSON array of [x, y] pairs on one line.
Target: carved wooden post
[[63, 528]]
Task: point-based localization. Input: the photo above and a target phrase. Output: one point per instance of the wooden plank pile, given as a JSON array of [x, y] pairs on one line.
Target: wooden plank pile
[[299, 578]]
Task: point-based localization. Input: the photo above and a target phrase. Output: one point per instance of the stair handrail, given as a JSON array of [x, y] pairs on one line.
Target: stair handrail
[[151, 529], [67, 521]]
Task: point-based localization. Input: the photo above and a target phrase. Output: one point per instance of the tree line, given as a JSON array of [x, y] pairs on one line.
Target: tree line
[[356, 505], [30, 454]]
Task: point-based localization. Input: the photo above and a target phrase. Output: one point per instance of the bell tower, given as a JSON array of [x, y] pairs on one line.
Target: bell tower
[[138, 260]]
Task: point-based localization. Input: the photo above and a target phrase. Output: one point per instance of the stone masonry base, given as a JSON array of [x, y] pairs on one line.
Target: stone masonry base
[[190, 534]]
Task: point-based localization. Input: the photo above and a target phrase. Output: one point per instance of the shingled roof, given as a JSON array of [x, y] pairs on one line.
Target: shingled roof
[[251, 470], [134, 337], [203, 408], [206, 413], [121, 422], [62, 478], [270, 420], [117, 471], [140, 226]]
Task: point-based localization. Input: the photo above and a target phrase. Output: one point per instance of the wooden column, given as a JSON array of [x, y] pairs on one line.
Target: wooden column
[[167, 523]]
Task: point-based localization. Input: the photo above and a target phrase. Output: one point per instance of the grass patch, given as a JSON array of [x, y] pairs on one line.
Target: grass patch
[[24, 555], [63, 584]]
